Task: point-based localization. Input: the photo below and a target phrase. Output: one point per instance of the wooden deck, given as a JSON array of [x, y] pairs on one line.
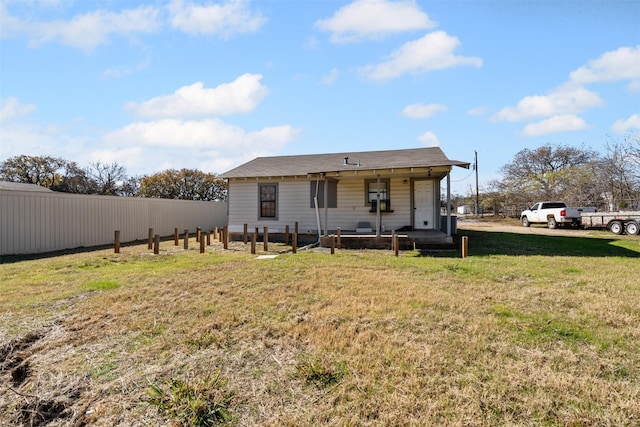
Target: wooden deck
[[407, 240]]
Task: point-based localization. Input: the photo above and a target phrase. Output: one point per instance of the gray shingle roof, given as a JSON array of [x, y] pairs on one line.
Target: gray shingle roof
[[19, 186], [316, 163]]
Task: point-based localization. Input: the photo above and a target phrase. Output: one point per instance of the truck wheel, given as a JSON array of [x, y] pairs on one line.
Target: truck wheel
[[551, 223], [632, 227], [616, 227], [525, 221]]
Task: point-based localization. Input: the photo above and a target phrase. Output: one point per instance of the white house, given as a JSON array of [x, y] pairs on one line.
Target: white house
[[390, 190]]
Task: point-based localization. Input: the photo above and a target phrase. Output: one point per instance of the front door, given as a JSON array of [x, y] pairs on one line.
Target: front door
[[423, 211]]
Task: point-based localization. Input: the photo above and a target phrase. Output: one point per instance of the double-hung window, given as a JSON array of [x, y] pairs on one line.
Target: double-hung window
[[268, 195], [371, 194]]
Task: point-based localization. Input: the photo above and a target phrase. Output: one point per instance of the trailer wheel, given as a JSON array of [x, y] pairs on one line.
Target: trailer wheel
[[632, 227], [616, 227], [525, 221], [551, 223]]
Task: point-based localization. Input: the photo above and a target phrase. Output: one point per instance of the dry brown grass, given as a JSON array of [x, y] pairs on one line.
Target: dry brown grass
[[357, 338]]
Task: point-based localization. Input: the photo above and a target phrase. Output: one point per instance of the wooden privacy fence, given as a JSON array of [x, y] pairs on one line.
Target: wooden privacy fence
[[38, 222]]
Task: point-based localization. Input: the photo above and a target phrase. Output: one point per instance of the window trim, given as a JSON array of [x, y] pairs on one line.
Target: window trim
[[275, 202], [367, 182]]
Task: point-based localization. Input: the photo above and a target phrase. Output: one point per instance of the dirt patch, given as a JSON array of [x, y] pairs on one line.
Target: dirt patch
[[513, 226], [26, 403]]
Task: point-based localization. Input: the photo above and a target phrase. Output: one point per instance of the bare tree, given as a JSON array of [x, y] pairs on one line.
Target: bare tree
[[108, 177], [619, 173], [548, 173]]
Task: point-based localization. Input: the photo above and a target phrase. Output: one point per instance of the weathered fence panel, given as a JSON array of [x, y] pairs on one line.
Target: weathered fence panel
[[37, 222]]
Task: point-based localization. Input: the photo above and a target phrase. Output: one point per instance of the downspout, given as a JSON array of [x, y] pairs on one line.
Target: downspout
[[449, 204], [315, 202]]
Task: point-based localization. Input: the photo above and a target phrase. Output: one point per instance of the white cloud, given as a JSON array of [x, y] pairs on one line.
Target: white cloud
[[561, 123], [429, 139], [89, 30], [208, 145], [569, 99], [198, 134], [11, 108], [85, 31], [374, 19], [623, 126], [240, 96], [561, 105], [434, 51], [122, 71], [233, 17], [421, 111], [621, 64], [479, 111], [330, 77]]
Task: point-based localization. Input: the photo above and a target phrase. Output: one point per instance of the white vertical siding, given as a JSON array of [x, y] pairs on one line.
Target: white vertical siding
[[36, 222]]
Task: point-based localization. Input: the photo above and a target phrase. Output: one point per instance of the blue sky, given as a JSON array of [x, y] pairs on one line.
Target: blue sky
[[162, 84]]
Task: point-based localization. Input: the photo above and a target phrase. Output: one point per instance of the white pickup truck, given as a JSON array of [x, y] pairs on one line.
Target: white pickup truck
[[553, 214]]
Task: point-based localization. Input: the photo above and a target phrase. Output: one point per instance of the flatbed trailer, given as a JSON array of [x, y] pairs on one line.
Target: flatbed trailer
[[616, 222]]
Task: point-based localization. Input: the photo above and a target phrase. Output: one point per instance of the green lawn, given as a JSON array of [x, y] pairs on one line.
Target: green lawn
[[528, 330]]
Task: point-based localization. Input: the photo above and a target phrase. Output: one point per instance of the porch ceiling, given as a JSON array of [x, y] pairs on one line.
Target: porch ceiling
[[408, 172]]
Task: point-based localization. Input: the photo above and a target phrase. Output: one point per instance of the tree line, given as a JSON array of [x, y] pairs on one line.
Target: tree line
[[111, 179], [608, 180]]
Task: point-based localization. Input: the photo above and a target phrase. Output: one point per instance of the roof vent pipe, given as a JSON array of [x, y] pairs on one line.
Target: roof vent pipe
[[346, 161]]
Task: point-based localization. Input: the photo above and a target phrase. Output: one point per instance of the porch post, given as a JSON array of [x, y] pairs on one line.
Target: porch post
[[326, 205], [449, 204], [378, 208]]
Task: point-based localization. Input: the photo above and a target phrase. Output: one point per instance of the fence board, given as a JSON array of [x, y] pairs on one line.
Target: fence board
[[38, 222]]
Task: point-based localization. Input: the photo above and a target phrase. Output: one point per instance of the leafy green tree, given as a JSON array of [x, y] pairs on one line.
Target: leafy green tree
[[39, 170], [187, 184]]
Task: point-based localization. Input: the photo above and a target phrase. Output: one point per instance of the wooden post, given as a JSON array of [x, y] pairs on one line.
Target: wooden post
[[221, 232], [333, 244], [295, 228], [215, 234], [186, 238], [156, 244], [116, 245], [150, 240], [176, 237], [265, 239], [201, 246], [208, 238], [245, 234], [393, 240], [396, 244], [254, 239], [225, 232], [294, 243], [464, 246], [339, 232], [286, 234], [198, 234]]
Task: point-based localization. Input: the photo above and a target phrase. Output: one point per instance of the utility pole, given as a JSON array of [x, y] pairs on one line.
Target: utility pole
[[475, 166]]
